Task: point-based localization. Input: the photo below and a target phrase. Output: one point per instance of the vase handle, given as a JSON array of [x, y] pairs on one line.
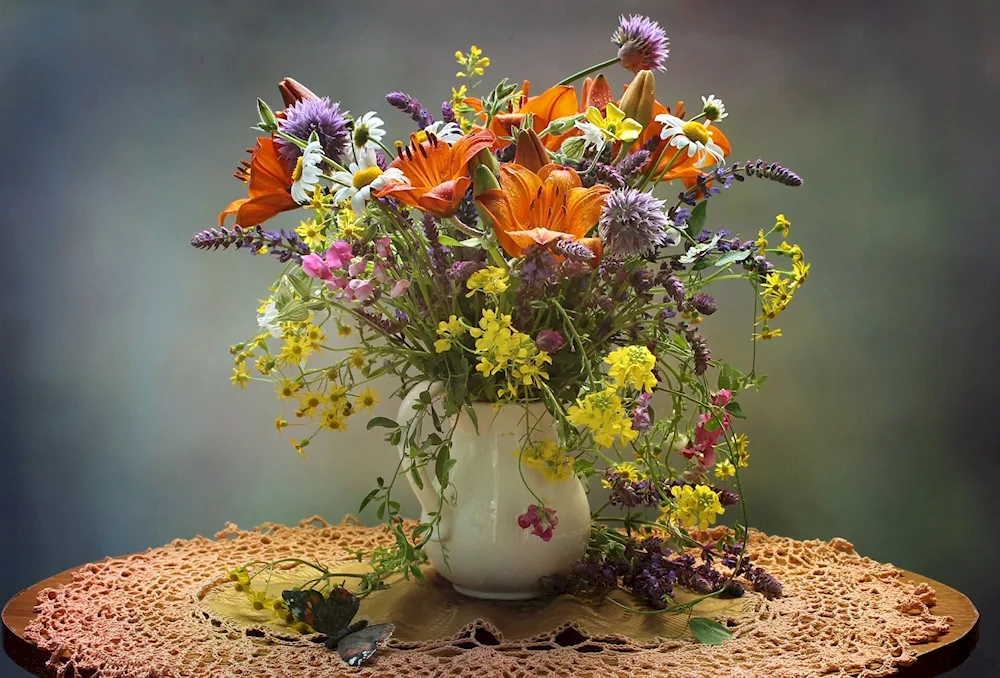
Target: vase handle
[[428, 494]]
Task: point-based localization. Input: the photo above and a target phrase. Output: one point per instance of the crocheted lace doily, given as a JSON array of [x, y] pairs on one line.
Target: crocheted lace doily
[[163, 613]]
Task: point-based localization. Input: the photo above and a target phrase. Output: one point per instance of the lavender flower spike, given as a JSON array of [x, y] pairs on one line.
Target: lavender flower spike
[[411, 107], [642, 43]]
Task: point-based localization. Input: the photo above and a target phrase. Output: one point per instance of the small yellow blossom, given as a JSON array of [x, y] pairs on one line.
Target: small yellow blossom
[[287, 388], [782, 224], [368, 399], [358, 360], [724, 469], [793, 251], [280, 424], [603, 413], [553, 461], [696, 506], [348, 225], [295, 350], [241, 578], [240, 377], [614, 124], [300, 446], [265, 364], [315, 336], [741, 443], [761, 243], [263, 306], [312, 234], [344, 330], [449, 330], [259, 600], [309, 402], [627, 470], [801, 272], [632, 366], [334, 419], [337, 393], [767, 333], [491, 280]]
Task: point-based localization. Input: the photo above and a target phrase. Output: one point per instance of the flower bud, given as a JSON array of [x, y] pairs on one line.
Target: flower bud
[[596, 93], [293, 91], [294, 311], [529, 151], [267, 121], [550, 341], [639, 98], [483, 180], [573, 148]]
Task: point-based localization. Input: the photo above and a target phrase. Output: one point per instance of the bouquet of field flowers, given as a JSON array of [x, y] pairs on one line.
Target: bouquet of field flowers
[[515, 250]]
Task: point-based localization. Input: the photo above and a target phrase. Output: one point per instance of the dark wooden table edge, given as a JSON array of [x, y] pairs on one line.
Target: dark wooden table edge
[[937, 657]]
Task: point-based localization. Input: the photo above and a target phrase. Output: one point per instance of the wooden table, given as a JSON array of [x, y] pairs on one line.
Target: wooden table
[[934, 659]]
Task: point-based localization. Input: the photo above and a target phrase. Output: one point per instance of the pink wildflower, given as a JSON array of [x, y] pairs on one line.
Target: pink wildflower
[[339, 255], [382, 247], [400, 288], [722, 398], [358, 290], [315, 266], [541, 520], [357, 268]]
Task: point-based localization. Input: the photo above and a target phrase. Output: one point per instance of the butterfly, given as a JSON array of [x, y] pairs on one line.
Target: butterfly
[[332, 617]]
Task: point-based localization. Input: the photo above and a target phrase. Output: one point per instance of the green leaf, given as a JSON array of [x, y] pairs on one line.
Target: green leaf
[[708, 631], [732, 257], [472, 415], [448, 241], [300, 285], [441, 466], [712, 424], [472, 242], [367, 500], [384, 422], [417, 480], [734, 409], [696, 221]]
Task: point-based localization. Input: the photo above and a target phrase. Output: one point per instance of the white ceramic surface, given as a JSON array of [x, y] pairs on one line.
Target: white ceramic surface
[[488, 554]]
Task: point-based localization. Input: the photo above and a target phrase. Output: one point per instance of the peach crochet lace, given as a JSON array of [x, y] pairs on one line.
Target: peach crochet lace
[[151, 614]]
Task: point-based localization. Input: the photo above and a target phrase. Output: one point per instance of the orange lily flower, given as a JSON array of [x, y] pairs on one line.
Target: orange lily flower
[[438, 173], [555, 102], [541, 208], [269, 191]]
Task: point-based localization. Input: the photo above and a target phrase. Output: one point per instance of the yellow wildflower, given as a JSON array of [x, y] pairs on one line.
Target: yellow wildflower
[[553, 461], [241, 578], [627, 470], [263, 305], [696, 506], [491, 280], [348, 226], [312, 234], [240, 377], [258, 599], [295, 350], [368, 399], [724, 469], [632, 366], [334, 419], [309, 402], [300, 447], [741, 443], [265, 364], [344, 330], [315, 336], [782, 224], [801, 272], [448, 330], [793, 251], [761, 243], [773, 282], [603, 413], [767, 333], [358, 360], [280, 424], [287, 388], [614, 124], [337, 393]]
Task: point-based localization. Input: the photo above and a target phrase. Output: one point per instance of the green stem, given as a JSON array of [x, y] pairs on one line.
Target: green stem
[[588, 71]]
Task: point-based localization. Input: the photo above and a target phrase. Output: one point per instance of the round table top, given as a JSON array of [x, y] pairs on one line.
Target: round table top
[[934, 658]]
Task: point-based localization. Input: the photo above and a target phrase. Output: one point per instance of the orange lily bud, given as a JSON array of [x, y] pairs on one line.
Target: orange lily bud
[[529, 151], [293, 91], [483, 180], [486, 158], [640, 98], [596, 93]]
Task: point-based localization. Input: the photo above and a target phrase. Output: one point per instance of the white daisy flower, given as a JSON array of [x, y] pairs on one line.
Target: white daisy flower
[[448, 132], [713, 108], [693, 254], [367, 132], [693, 136], [592, 134], [307, 173], [269, 320], [363, 177]]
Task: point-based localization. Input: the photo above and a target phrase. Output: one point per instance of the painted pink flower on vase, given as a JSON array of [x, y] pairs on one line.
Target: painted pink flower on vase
[[541, 521]]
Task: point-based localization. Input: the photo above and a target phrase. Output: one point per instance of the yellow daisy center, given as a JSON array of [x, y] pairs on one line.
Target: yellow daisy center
[[364, 177], [297, 172], [695, 131]]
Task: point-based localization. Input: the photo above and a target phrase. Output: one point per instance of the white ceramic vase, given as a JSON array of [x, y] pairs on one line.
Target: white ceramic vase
[[488, 554]]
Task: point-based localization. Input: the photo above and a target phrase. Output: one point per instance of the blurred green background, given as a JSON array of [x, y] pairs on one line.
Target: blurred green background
[[123, 122]]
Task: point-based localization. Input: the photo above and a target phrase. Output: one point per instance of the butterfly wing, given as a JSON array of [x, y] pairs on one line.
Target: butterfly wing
[[358, 647], [303, 605], [334, 615]]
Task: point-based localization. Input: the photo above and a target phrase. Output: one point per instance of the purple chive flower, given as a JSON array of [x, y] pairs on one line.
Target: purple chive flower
[[642, 43], [314, 115], [550, 341], [632, 223], [411, 107], [704, 304]]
